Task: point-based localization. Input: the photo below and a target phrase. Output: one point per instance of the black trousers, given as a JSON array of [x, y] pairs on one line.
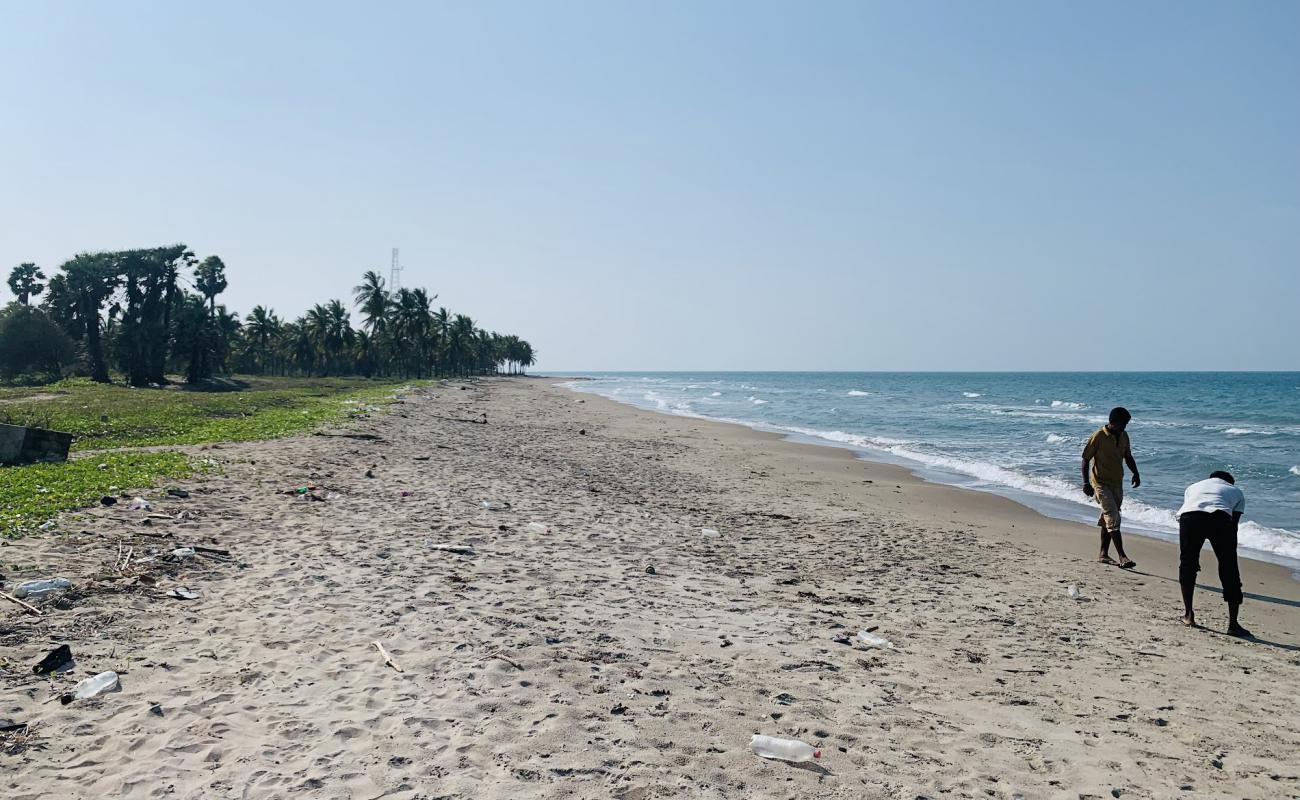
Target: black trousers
[[1194, 529]]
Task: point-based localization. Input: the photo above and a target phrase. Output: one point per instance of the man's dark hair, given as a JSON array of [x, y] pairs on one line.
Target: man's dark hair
[[1119, 414], [1223, 476]]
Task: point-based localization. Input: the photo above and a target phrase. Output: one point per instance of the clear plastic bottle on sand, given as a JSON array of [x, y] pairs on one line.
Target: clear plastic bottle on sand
[[783, 749], [38, 589], [1073, 592], [95, 685]]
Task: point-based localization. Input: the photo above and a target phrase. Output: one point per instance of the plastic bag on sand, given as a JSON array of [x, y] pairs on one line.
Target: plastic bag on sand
[[141, 504], [37, 589], [537, 527], [90, 687], [872, 640]]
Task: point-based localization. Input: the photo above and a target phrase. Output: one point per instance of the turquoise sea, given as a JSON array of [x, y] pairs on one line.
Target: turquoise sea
[[1020, 434]]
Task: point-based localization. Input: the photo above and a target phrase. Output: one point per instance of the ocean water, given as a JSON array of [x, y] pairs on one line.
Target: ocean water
[[1021, 434]]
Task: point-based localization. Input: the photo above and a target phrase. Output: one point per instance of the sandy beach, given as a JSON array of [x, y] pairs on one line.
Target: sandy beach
[[617, 648]]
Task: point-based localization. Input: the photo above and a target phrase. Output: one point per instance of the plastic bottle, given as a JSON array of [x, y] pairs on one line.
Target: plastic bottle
[[537, 527], [783, 749], [1073, 592], [39, 589], [90, 687]]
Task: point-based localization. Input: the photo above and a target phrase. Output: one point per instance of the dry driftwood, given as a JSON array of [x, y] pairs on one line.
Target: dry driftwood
[[387, 658], [12, 599]]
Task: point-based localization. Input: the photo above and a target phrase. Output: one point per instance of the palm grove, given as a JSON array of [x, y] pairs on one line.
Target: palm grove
[[153, 312]]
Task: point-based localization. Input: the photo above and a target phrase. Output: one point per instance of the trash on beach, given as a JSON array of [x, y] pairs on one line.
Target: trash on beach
[[49, 526], [141, 504], [183, 552], [407, 493], [871, 640], [108, 500], [1074, 593], [181, 493], [463, 550], [181, 593], [90, 687], [842, 638], [537, 527], [35, 590], [494, 505], [783, 749], [7, 725], [709, 532], [57, 660]]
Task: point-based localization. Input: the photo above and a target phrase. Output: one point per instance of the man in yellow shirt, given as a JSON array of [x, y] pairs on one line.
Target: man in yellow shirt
[[1108, 451]]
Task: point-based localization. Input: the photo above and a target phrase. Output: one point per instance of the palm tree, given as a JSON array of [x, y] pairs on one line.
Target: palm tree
[[25, 281], [372, 300], [210, 280], [261, 327]]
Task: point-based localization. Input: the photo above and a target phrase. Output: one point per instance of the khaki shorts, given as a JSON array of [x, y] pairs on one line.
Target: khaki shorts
[[1110, 498]]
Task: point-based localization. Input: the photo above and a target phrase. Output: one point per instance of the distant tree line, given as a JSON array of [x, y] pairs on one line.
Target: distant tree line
[[153, 312]]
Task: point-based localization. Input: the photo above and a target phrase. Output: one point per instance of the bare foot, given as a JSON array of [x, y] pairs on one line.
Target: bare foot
[[1237, 630], [1105, 559], [1189, 620]]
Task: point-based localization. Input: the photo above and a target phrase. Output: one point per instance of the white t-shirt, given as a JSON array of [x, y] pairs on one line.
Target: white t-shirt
[[1213, 494]]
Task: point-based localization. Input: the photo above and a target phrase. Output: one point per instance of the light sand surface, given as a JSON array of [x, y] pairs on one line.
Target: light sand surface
[[623, 652]]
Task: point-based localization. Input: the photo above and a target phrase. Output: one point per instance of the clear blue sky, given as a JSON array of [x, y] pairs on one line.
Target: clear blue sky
[[696, 185]]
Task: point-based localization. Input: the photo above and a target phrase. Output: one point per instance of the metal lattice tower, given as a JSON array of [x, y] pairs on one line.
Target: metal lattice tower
[[395, 274]]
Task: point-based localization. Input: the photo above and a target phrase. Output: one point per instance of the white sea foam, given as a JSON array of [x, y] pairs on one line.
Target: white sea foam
[[716, 394], [1053, 438], [1295, 470], [1245, 432], [758, 401], [971, 394], [1068, 404], [858, 393]]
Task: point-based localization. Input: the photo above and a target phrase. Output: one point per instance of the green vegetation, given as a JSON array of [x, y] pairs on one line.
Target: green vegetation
[[33, 494], [107, 415]]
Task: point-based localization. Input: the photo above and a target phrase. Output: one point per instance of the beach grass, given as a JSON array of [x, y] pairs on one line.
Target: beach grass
[[107, 417], [104, 416], [33, 494]]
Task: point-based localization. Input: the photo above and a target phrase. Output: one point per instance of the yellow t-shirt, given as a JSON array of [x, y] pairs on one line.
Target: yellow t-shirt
[[1107, 451]]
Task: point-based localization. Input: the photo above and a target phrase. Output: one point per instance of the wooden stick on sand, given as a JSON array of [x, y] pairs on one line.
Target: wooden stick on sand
[[13, 599], [387, 658]]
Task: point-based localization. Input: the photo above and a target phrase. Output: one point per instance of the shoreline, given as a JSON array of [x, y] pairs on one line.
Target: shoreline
[[1267, 585], [920, 471]]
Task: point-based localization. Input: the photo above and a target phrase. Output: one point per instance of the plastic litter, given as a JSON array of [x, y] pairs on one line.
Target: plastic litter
[[57, 660], [38, 589], [1073, 592], [181, 593], [183, 552], [181, 493], [90, 687], [709, 532], [872, 640], [537, 527], [493, 505], [141, 504], [49, 526], [463, 550], [108, 500], [783, 749]]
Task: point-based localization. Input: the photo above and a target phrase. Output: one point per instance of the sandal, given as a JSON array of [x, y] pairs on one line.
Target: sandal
[[1129, 564], [1106, 560]]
